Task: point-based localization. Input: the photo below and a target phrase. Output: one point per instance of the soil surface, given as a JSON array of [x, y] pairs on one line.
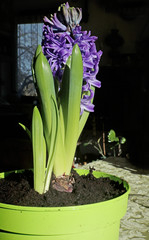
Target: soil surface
[[18, 189]]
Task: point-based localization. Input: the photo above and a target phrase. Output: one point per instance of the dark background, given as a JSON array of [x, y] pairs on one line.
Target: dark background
[[121, 104]]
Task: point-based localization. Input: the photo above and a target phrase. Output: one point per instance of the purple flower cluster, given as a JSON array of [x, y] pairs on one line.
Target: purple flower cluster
[[60, 33]]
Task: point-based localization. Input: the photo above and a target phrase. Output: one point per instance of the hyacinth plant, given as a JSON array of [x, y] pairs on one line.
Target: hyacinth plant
[[64, 70]]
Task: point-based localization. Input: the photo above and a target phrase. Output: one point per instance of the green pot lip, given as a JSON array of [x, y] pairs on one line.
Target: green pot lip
[[70, 208]]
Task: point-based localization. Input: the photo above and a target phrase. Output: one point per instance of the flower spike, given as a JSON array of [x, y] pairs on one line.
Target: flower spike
[[60, 34]]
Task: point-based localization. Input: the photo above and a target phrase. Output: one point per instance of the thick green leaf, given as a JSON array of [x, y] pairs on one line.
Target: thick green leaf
[[39, 151], [60, 157], [46, 88], [53, 144], [64, 93], [70, 98]]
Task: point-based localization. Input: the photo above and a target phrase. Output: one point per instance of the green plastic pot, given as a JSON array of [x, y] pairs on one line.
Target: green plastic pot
[[98, 221]]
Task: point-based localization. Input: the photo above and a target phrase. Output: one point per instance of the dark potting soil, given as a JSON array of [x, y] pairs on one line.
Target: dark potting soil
[[17, 189]]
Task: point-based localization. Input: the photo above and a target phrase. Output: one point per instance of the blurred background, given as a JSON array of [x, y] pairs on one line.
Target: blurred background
[[122, 103]]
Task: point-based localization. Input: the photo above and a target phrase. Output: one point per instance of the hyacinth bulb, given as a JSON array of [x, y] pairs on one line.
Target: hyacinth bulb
[[60, 33]]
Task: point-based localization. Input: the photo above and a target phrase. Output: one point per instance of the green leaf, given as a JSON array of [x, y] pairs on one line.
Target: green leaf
[[64, 93], [39, 151], [38, 50], [70, 98], [112, 136], [123, 140], [26, 129], [60, 157], [53, 144], [46, 88], [49, 108]]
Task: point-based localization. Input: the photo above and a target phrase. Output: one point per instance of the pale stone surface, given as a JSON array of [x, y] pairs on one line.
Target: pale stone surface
[[135, 224]]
